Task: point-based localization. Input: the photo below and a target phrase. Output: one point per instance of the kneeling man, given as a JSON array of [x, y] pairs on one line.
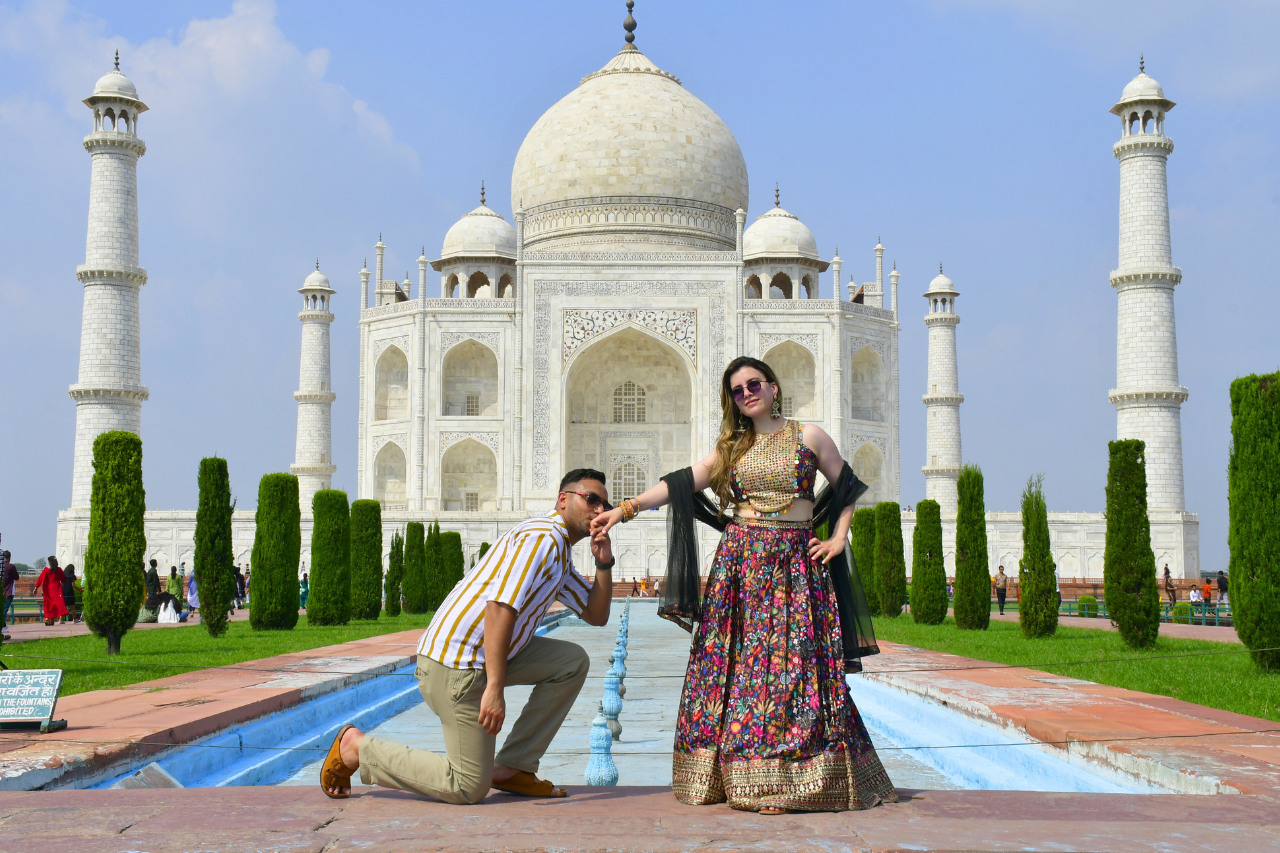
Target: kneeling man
[[479, 641]]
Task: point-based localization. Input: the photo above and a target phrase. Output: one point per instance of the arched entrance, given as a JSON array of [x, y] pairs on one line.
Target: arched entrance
[[795, 368], [470, 478]]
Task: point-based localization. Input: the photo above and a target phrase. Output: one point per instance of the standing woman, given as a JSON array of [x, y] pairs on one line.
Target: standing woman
[[766, 721], [193, 594], [49, 585], [69, 584]]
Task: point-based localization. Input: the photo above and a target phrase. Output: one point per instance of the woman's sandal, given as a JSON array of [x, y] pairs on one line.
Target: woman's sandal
[[526, 784], [334, 773], [772, 810]]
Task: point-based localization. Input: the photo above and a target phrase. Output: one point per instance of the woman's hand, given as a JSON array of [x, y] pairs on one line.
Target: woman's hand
[[825, 550], [605, 521]]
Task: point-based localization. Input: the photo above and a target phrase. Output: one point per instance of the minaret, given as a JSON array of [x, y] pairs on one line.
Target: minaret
[[942, 402], [313, 458], [1147, 396], [108, 391]]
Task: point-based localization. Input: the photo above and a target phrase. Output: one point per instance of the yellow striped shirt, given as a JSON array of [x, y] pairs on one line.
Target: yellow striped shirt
[[528, 568]]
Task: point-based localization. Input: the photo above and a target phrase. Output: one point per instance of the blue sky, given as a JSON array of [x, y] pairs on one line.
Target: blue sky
[[975, 134]]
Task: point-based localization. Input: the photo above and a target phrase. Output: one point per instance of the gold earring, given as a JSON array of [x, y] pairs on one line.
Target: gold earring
[[776, 411]]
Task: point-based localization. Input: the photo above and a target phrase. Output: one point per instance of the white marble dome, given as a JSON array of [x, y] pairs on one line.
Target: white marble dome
[[630, 129], [316, 281], [480, 233], [778, 234], [114, 84], [1142, 88], [941, 285]]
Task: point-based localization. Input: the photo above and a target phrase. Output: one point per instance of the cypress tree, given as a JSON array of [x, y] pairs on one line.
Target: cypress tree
[[1129, 565], [434, 567], [366, 559], [864, 554], [1037, 581], [117, 543], [891, 566], [928, 575], [484, 549], [215, 572], [451, 560], [1253, 496], [277, 548], [395, 574], [972, 604], [414, 584], [330, 599]]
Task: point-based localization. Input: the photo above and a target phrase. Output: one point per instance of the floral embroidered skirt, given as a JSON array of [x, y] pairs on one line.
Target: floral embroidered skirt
[[766, 720]]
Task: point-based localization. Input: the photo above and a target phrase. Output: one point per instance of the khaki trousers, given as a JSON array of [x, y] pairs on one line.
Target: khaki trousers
[[556, 668]]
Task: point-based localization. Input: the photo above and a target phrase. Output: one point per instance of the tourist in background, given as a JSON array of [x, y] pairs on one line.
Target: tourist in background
[[1222, 585], [765, 720], [239, 587], [152, 582], [70, 588], [193, 594], [49, 586], [1002, 587], [304, 588], [173, 586], [1169, 590], [9, 582], [1206, 592]]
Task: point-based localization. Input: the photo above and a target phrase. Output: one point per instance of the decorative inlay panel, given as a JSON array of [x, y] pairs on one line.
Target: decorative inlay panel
[[679, 327], [879, 442], [880, 348], [397, 438], [380, 345], [448, 340], [809, 342], [449, 439]]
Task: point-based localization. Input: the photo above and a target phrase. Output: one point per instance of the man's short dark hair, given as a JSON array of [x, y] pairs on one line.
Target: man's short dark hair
[[153, 562], [577, 475]]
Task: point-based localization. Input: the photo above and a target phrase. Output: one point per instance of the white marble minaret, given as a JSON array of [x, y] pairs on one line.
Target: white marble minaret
[[943, 399], [1147, 396], [108, 391], [313, 459]]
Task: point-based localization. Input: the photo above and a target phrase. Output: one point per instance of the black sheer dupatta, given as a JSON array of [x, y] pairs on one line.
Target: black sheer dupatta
[[680, 599]]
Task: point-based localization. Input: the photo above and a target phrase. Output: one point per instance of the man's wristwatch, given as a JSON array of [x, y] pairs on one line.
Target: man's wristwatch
[[605, 567]]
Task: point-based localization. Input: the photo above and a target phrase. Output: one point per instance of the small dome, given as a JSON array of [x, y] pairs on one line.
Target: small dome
[[114, 84], [480, 232], [1145, 89], [316, 281], [778, 234], [942, 285]]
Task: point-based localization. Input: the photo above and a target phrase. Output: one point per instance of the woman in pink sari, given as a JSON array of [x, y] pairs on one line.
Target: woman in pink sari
[[49, 586]]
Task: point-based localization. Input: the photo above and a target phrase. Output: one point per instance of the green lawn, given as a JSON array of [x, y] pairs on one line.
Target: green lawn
[[1230, 682], [188, 645]]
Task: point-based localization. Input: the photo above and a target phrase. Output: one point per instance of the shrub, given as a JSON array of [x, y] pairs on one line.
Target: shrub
[[395, 574], [928, 590], [214, 559], [1087, 606], [414, 586], [972, 606], [891, 567], [330, 600], [435, 567], [864, 555], [117, 543], [484, 549], [366, 559], [452, 562], [1037, 581], [1181, 613], [1129, 565], [277, 548], [1253, 482]]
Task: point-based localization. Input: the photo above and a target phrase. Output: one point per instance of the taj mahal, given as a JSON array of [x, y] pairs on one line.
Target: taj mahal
[[590, 329]]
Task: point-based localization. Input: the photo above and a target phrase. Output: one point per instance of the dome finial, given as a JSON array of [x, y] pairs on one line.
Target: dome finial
[[1142, 64], [117, 60], [939, 267], [482, 204], [317, 265], [777, 195], [630, 23]]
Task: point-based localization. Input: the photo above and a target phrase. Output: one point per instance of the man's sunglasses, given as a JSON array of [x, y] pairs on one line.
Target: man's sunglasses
[[593, 500], [752, 385]]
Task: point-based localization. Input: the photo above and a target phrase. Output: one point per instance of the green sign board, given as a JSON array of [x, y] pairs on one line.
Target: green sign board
[[28, 697]]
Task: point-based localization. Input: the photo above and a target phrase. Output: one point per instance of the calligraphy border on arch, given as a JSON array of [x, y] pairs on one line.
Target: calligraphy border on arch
[[543, 291], [381, 344], [581, 326], [878, 346], [808, 341], [449, 340], [399, 439]]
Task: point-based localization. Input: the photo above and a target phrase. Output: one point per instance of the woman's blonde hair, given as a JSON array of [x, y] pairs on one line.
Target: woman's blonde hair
[[737, 431]]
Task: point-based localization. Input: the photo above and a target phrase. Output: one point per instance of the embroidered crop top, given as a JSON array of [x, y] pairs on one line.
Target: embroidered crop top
[[778, 469]]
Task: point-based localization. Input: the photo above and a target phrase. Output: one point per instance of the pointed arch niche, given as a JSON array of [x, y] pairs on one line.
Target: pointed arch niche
[[390, 475], [391, 386], [606, 423], [469, 381], [869, 392], [469, 478], [868, 464], [796, 371]]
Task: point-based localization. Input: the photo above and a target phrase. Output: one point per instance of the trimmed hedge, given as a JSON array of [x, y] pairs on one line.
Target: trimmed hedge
[[329, 602], [1253, 484], [413, 588], [1037, 581], [366, 559], [435, 567], [214, 559], [1129, 565], [395, 574], [277, 549], [928, 591], [1087, 606], [972, 605], [891, 567], [452, 562], [1181, 614], [864, 554], [117, 543]]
